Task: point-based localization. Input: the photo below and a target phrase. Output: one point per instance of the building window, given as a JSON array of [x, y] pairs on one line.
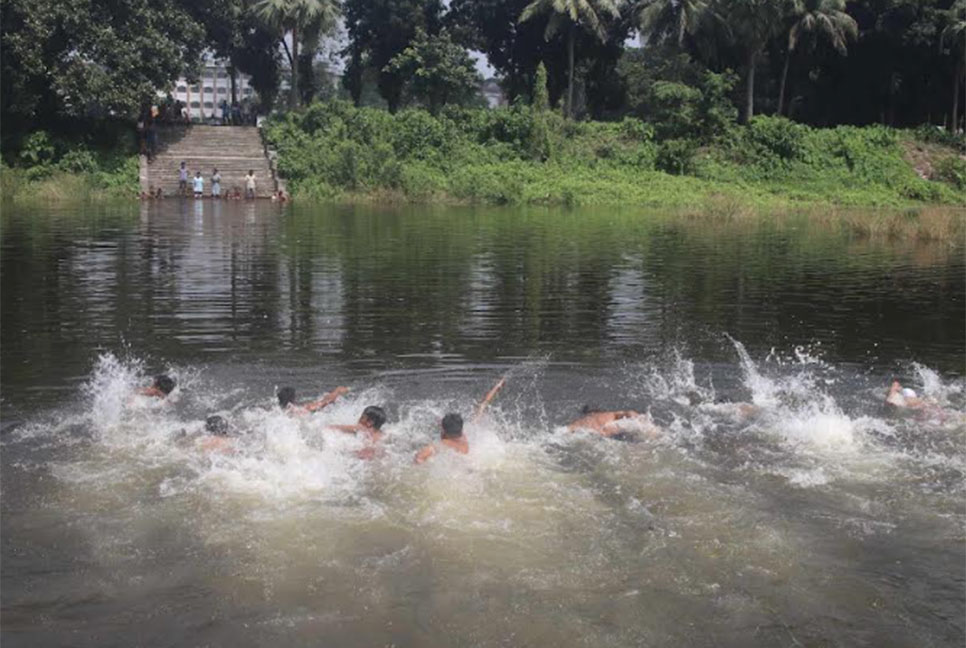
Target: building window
[[194, 88], [195, 104], [182, 88], [248, 92], [222, 90], [208, 105], [222, 75], [207, 89]]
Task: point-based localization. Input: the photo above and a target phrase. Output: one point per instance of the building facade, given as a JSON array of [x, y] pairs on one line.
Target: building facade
[[203, 99]]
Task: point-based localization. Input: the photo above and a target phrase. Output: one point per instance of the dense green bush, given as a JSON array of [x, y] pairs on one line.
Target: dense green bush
[[939, 135], [676, 156], [952, 170], [774, 140], [83, 161], [519, 154]]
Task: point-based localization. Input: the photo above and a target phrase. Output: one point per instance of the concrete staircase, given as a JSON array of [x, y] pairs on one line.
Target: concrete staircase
[[233, 150]]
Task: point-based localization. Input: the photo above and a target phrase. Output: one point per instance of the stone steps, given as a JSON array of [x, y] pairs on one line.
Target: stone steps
[[233, 150]]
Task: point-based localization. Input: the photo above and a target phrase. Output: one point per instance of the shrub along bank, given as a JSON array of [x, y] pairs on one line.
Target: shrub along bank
[[94, 162], [336, 151]]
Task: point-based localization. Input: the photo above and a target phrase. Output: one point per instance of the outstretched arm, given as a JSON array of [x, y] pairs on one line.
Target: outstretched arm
[[486, 399], [425, 453], [348, 429], [326, 400]]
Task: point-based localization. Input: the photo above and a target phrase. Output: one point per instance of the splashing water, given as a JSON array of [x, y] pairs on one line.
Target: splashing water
[[716, 506]]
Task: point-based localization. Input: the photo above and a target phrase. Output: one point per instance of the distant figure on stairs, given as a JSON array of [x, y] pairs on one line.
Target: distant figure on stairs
[[183, 180], [215, 184], [199, 183], [250, 185]]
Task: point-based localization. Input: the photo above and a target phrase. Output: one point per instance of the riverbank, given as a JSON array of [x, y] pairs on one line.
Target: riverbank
[[98, 162], [334, 152], [517, 155]]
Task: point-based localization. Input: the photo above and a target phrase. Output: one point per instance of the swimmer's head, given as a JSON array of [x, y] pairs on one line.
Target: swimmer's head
[[164, 383], [216, 425], [286, 396], [587, 409], [694, 398], [908, 393], [373, 416], [452, 426]]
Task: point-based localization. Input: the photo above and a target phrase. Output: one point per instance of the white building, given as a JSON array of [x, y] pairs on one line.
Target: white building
[[205, 97]]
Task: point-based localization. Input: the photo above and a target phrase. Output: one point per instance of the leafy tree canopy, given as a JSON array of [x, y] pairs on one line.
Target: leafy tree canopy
[[441, 71], [81, 57]]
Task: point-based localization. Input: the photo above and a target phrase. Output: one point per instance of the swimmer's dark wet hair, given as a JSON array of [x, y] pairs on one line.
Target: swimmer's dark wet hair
[[165, 383], [452, 426], [587, 409], [286, 396], [216, 425], [376, 415]]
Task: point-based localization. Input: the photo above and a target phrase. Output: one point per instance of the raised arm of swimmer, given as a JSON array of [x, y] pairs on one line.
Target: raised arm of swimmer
[[486, 400], [326, 400]]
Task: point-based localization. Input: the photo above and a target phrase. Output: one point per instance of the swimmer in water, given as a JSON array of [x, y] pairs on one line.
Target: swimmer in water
[[905, 398], [616, 424], [162, 386], [286, 400], [740, 410], [217, 439], [369, 427], [451, 429]]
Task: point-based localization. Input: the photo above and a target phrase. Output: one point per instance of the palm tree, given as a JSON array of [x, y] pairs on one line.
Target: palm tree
[[753, 23], [301, 18], [825, 18], [661, 18], [573, 13], [955, 33]]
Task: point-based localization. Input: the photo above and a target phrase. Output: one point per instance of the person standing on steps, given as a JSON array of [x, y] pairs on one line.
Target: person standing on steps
[[215, 184], [250, 185], [183, 179], [199, 185]]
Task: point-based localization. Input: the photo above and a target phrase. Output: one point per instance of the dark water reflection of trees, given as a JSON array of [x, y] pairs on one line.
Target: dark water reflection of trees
[[413, 287]]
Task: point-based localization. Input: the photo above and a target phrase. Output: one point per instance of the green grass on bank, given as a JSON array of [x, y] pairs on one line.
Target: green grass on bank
[[94, 164], [334, 151]]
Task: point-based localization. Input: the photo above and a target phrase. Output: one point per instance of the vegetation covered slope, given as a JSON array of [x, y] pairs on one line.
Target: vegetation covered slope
[[525, 155]]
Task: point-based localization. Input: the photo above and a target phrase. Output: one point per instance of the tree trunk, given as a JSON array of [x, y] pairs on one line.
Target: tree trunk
[[954, 124], [750, 90], [294, 101], [291, 63], [781, 85], [570, 71], [233, 75]]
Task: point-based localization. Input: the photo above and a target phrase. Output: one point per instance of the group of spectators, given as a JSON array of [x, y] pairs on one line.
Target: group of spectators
[[174, 111]]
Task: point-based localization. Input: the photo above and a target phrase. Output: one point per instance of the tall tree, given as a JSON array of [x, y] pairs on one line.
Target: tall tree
[[440, 71], [953, 41], [514, 49], [105, 57], [658, 20], [824, 19], [752, 23], [301, 20], [588, 14], [378, 31]]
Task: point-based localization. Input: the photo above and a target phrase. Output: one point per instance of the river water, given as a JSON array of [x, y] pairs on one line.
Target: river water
[[819, 519]]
